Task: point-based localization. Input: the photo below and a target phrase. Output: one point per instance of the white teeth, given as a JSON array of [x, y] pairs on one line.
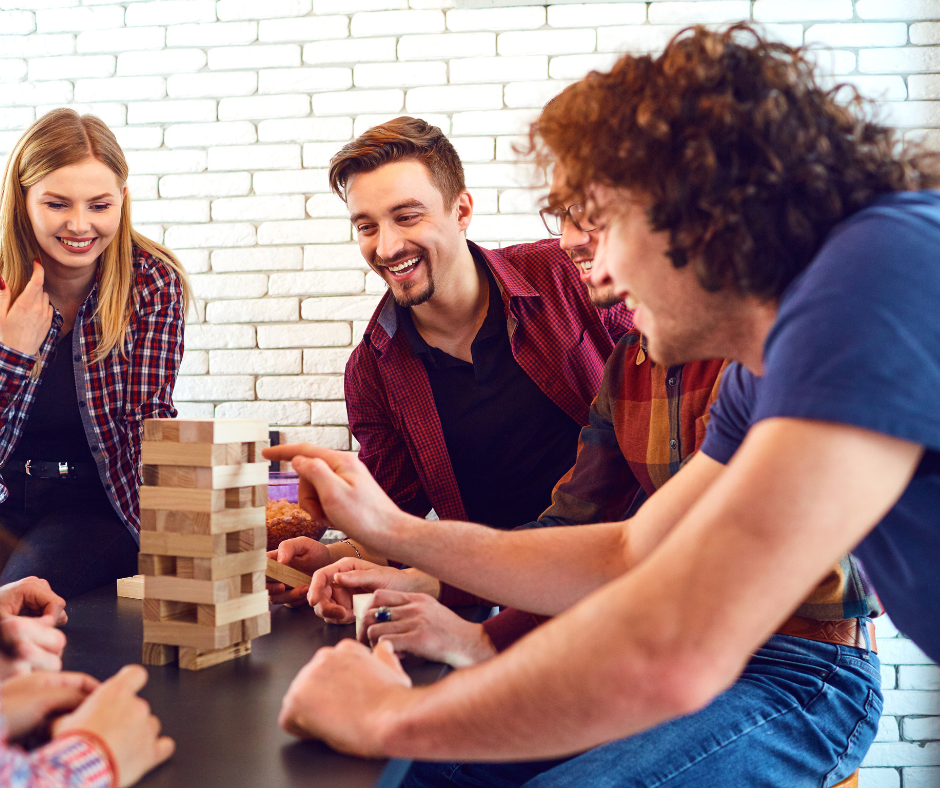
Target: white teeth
[[631, 302], [77, 244], [404, 265], [587, 265]]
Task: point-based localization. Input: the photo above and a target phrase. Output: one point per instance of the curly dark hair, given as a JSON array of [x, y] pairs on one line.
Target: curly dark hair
[[747, 160], [396, 140]]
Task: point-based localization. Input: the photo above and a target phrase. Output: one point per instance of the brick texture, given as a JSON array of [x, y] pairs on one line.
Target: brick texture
[[230, 110]]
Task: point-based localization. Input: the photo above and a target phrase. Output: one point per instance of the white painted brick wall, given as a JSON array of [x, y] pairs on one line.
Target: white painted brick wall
[[229, 111]]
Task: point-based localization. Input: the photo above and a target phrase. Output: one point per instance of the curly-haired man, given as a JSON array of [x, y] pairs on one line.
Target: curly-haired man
[[751, 216]]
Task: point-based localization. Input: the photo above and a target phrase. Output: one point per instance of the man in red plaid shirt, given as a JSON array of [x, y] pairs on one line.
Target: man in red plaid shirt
[[476, 372]]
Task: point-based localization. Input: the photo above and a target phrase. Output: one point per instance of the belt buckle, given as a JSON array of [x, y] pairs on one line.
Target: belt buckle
[[63, 469], [28, 471]]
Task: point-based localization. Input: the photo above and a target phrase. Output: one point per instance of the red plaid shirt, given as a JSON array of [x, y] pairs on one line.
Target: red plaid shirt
[[558, 337], [646, 422], [116, 394]]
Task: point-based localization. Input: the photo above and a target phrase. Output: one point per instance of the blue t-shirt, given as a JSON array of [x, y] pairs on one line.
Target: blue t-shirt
[[857, 341]]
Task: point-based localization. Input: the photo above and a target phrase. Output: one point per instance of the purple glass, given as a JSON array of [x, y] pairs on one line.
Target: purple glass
[[282, 484]]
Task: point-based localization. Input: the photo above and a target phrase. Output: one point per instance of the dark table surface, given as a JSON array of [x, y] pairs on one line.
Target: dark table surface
[[224, 718]]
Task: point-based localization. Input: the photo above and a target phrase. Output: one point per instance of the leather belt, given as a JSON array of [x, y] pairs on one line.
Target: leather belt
[[39, 469], [846, 632]]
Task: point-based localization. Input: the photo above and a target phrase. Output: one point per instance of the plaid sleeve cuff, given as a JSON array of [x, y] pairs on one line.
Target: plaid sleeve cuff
[[13, 361], [510, 625], [452, 596]]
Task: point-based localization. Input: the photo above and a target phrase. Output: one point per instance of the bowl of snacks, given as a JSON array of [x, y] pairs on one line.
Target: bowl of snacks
[[284, 517]]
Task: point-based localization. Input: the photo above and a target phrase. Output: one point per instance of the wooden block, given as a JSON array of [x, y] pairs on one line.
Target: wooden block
[[201, 454], [249, 539], [185, 568], [206, 430], [156, 564], [197, 659], [239, 453], [256, 626], [282, 573], [229, 565], [218, 477], [183, 633], [222, 522], [241, 607], [182, 499], [131, 587], [184, 589], [183, 545], [253, 583], [261, 495], [255, 449], [158, 654], [361, 603], [166, 610]]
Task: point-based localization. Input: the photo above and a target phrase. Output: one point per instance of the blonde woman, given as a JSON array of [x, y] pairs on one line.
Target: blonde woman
[[91, 337]]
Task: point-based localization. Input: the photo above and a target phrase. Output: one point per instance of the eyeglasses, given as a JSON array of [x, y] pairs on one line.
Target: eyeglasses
[[554, 219]]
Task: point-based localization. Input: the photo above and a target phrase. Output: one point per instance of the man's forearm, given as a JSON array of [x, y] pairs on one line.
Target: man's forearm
[[542, 571]]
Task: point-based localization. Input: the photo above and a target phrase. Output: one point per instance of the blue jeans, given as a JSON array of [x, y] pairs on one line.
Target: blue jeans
[[802, 713], [64, 531]]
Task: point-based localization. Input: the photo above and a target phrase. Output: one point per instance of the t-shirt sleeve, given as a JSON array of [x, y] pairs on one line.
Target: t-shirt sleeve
[[857, 339], [729, 418]]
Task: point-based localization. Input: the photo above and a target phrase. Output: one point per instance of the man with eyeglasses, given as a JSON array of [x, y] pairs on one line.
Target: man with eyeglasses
[[475, 374]]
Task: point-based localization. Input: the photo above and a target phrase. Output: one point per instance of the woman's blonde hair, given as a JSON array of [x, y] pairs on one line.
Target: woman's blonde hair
[[59, 139]]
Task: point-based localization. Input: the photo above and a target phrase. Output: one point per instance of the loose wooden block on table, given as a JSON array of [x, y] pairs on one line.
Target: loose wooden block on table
[[131, 587], [282, 573]]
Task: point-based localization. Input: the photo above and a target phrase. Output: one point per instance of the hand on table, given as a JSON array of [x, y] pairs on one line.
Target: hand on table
[[336, 486], [114, 712], [341, 695], [332, 588], [303, 553], [25, 323], [423, 626], [29, 700]]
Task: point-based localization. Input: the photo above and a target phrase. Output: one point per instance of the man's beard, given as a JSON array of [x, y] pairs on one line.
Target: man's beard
[[408, 294], [409, 299], [603, 298]]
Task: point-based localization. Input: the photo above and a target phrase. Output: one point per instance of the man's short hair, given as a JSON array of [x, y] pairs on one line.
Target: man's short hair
[[747, 160], [398, 140]]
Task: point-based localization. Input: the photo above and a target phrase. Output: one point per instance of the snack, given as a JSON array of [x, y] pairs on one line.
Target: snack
[[285, 520]]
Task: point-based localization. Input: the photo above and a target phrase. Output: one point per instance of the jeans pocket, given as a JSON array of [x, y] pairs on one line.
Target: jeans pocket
[[863, 734]]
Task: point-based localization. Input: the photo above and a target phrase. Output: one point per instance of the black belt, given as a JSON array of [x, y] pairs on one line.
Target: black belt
[[38, 469]]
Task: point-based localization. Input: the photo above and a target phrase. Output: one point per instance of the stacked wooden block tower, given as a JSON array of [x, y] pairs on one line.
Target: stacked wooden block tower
[[202, 539]]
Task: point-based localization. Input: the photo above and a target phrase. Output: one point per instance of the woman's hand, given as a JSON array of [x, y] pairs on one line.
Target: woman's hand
[[123, 720], [29, 700], [25, 323]]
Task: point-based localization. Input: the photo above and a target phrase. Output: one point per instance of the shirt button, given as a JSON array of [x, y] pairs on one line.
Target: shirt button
[[81, 404], [671, 381], [94, 447], [673, 443], [77, 357]]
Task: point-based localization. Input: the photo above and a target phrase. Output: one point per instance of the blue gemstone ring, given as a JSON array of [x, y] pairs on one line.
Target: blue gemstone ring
[[383, 614]]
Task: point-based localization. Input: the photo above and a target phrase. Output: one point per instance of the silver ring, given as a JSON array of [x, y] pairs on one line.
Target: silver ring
[[383, 614]]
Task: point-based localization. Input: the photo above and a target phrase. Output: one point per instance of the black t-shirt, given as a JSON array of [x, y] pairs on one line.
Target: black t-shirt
[[53, 431], [508, 442]]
